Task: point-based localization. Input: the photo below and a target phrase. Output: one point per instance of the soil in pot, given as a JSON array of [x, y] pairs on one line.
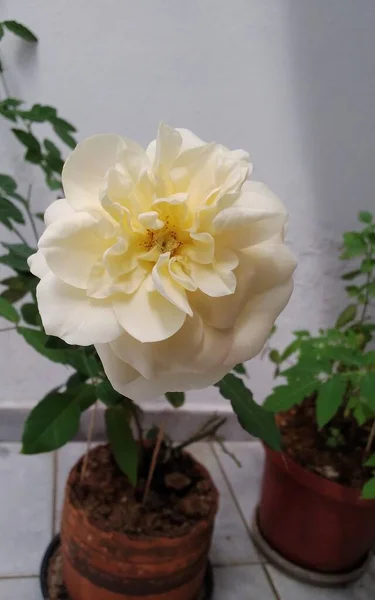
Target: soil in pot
[[180, 495], [335, 452], [117, 547]]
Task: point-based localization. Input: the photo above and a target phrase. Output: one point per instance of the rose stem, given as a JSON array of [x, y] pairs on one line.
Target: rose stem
[[154, 459], [370, 439], [90, 434]]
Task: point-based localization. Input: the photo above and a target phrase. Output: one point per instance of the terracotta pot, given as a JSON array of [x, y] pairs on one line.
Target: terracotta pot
[[101, 565], [311, 521]]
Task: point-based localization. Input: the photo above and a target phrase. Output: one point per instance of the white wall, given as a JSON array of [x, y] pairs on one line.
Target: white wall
[[292, 81]]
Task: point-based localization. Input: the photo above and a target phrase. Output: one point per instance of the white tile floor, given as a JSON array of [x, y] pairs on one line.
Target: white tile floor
[[31, 491]]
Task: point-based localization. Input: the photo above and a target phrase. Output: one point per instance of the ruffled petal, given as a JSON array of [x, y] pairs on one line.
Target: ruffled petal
[[201, 248], [211, 281], [167, 286], [68, 313], [72, 246], [147, 316], [59, 209], [273, 264], [194, 348], [240, 227], [254, 325], [37, 264], [84, 172]]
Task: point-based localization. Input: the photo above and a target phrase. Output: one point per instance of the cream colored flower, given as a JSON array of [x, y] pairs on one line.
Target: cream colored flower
[[168, 260]]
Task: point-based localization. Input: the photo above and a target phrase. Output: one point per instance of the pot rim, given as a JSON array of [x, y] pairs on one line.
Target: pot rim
[[317, 483], [146, 541]]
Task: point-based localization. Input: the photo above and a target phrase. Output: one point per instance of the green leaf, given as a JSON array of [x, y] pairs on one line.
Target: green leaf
[[274, 356], [21, 30], [52, 423], [7, 311], [17, 288], [51, 147], [370, 462], [291, 349], [347, 356], [368, 490], [37, 339], [65, 136], [16, 259], [350, 275], [107, 394], [19, 249], [369, 358], [40, 216], [34, 156], [354, 245], [371, 289], [1, 31], [347, 315], [7, 184], [30, 314], [367, 265], [57, 121], [353, 290], [240, 369], [9, 211], [177, 399], [85, 396], [252, 417], [329, 399], [367, 388], [123, 444], [27, 139], [284, 397], [365, 216]]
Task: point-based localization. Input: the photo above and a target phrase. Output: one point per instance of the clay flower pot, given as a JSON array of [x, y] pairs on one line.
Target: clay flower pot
[[108, 565], [312, 522]]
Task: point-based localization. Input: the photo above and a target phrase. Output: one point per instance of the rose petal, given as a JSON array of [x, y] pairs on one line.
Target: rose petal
[[148, 316], [212, 282], [38, 265], [72, 246], [201, 248], [255, 323], [68, 313], [167, 286], [84, 172], [59, 209]]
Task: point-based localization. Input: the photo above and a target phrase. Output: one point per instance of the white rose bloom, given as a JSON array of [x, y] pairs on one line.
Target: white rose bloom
[[168, 260]]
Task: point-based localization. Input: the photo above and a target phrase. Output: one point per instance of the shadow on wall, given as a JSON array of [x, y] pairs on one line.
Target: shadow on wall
[[332, 51]]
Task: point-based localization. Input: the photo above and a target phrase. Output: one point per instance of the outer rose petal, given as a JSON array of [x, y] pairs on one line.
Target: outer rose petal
[[255, 323], [148, 316], [84, 171], [273, 264], [139, 388], [68, 313], [38, 265], [57, 210], [72, 246], [194, 348]]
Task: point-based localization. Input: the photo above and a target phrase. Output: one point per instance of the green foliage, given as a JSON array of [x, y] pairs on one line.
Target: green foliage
[[252, 417], [120, 436], [20, 30], [177, 399], [7, 311], [334, 367], [52, 423], [368, 491]]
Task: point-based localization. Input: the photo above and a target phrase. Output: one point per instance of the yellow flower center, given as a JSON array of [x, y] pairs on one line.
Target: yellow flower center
[[165, 240]]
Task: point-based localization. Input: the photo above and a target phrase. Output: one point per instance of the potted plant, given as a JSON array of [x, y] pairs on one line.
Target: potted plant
[[160, 271], [317, 507]]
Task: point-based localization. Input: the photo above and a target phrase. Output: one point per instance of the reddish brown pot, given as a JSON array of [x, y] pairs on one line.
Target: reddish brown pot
[[311, 521], [100, 565]]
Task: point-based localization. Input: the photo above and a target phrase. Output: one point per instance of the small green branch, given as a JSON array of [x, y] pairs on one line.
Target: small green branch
[[30, 215]]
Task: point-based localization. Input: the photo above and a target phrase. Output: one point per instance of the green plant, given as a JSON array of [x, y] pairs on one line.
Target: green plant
[[336, 367], [55, 419]]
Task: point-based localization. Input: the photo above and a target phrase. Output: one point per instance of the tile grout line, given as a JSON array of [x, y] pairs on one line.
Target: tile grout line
[[55, 463], [237, 504]]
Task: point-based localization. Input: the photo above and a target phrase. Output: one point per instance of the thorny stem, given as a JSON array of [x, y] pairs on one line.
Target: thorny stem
[[154, 459], [90, 434], [370, 439]]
